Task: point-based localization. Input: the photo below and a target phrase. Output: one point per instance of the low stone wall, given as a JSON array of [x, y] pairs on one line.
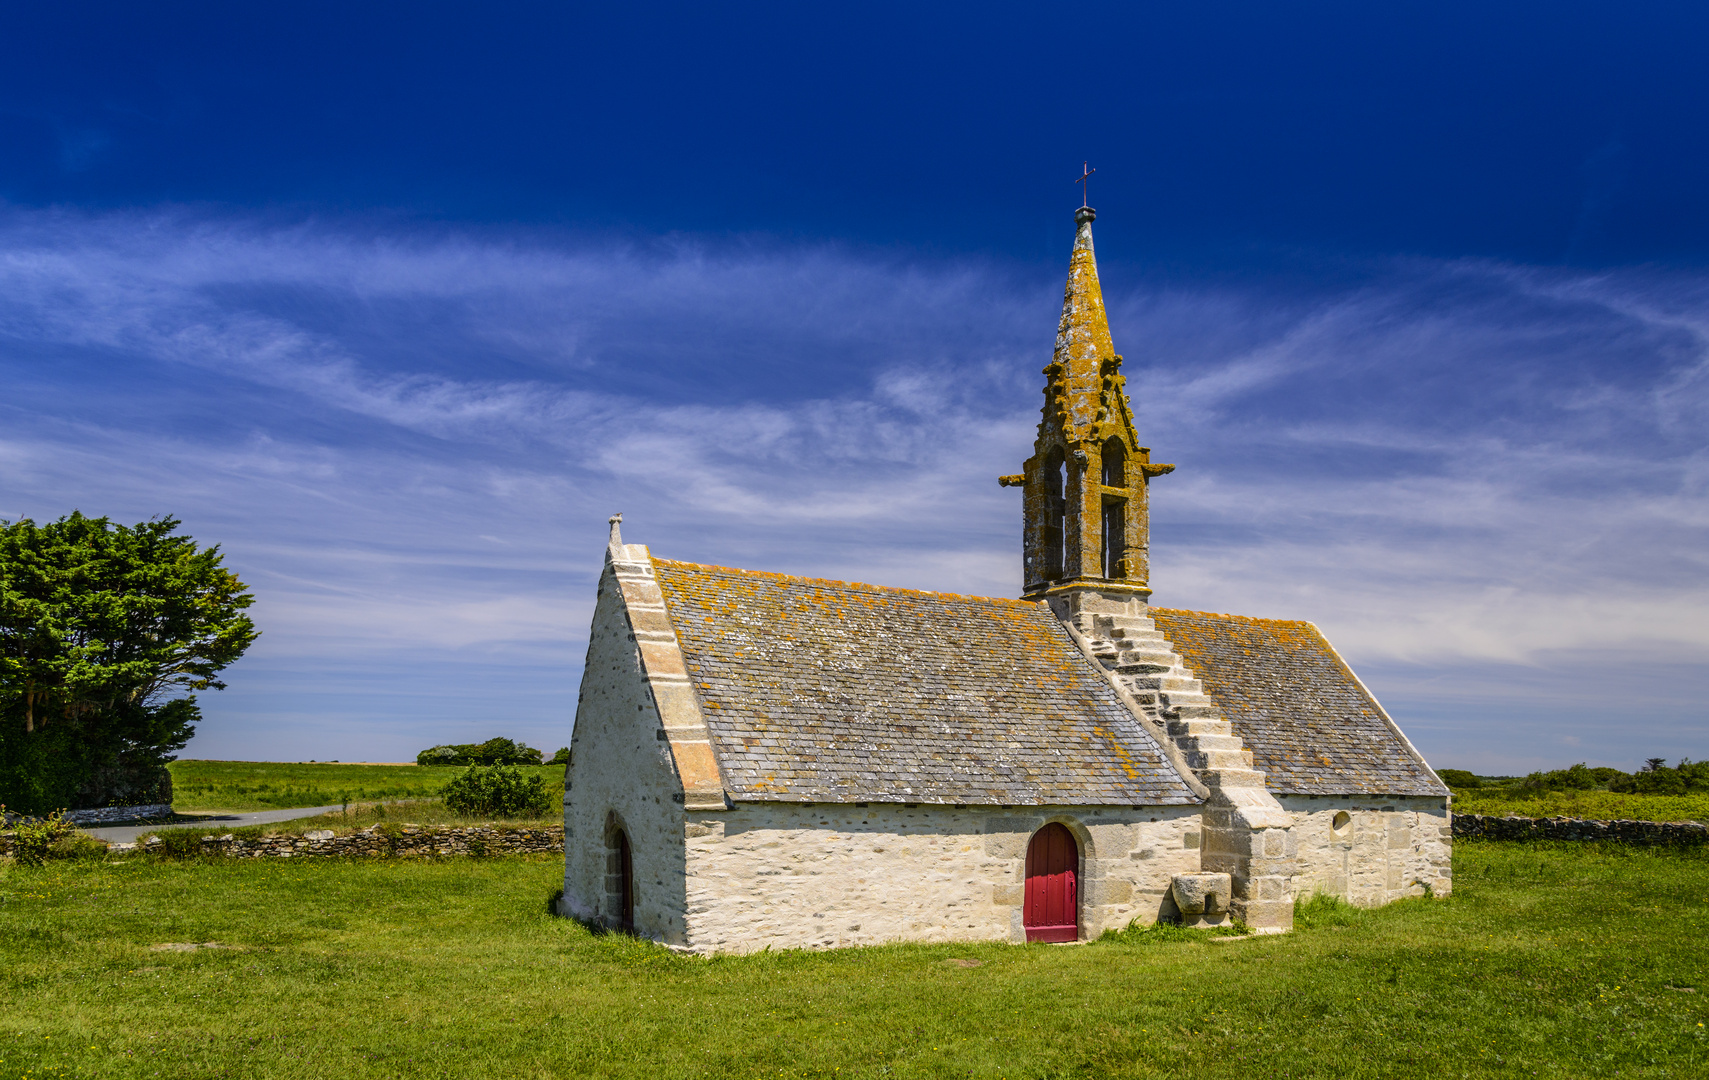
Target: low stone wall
[[1490, 827], [106, 814], [407, 841]]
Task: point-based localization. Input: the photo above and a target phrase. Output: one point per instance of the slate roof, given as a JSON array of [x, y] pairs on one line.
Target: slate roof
[[827, 691], [1309, 723]]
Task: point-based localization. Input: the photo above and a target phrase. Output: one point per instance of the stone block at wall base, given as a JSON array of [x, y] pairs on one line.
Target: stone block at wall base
[[1265, 916], [1196, 894]]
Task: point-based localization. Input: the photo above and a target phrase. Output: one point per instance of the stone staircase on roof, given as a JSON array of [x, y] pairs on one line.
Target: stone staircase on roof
[[1246, 832]]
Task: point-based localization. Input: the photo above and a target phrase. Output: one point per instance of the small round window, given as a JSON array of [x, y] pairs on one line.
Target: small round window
[[1341, 823]]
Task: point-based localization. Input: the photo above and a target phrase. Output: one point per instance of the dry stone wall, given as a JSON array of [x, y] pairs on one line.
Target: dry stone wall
[[417, 841], [1490, 827], [107, 814]]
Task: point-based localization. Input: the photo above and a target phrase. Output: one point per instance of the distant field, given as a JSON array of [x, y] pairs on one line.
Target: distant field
[[271, 785], [1564, 961], [1594, 805]]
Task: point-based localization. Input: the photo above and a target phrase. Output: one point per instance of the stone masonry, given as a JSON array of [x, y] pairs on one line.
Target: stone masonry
[[1246, 831]]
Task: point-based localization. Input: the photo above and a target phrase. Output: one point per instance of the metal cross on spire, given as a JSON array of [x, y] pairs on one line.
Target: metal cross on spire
[[1081, 180]]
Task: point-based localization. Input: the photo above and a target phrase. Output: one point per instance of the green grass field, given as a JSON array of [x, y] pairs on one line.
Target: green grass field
[[273, 785], [1549, 960], [1593, 805]]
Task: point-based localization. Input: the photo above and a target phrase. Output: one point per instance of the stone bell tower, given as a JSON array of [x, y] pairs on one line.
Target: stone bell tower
[[1086, 553], [1086, 544]]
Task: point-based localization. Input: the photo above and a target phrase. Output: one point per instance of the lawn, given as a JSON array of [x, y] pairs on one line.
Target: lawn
[[1594, 805], [1549, 960], [270, 785]]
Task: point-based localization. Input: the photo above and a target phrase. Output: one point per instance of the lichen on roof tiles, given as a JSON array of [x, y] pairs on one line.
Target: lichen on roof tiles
[[1311, 727], [831, 691]]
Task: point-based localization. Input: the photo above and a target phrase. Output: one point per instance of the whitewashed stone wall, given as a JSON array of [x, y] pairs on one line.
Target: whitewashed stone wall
[[827, 875], [621, 774], [1387, 848]]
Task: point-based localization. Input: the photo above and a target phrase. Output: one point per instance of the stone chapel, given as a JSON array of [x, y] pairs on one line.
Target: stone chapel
[[766, 760]]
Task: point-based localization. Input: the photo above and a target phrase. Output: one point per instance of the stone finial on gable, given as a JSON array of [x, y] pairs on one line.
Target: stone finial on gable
[[616, 541]]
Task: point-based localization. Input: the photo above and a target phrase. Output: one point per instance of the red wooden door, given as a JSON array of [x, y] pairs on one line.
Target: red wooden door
[[1052, 908]]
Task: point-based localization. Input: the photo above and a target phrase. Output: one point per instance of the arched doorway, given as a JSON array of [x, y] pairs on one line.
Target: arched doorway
[[1052, 908]]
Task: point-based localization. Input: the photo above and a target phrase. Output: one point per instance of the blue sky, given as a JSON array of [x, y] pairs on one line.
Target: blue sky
[[398, 303]]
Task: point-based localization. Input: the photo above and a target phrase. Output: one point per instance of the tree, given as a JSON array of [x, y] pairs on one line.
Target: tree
[[105, 633], [496, 751]]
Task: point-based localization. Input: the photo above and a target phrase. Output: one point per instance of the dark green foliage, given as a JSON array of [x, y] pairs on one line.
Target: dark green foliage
[[32, 840], [1458, 778], [104, 629], [497, 791], [1657, 779], [562, 757], [491, 752], [1577, 778]]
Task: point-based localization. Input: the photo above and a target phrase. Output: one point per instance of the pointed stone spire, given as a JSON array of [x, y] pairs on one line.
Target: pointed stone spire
[[1083, 332], [616, 522]]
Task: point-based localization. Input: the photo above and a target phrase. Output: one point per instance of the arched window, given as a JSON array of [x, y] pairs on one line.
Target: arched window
[[1114, 532], [619, 877], [1115, 537], [1115, 463], [1051, 911], [1055, 513]]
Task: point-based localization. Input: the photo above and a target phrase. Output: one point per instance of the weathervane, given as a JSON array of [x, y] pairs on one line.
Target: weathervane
[[1084, 173]]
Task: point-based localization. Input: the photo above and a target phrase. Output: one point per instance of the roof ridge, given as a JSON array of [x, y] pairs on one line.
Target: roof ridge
[[867, 586], [1225, 615]]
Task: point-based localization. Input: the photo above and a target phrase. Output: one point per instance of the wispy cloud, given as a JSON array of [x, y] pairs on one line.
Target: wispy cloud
[[408, 445]]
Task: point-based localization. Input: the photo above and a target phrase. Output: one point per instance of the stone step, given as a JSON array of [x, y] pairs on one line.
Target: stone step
[[1128, 626], [1196, 727], [1232, 778], [1206, 711], [1220, 761], [1148, 650], [1210, 742]]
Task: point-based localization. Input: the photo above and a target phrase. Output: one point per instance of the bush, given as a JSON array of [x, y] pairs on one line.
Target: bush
[[33, 841], [1458, 778], [1657, 779], [491, 752], [1577, 778], [497, 791]]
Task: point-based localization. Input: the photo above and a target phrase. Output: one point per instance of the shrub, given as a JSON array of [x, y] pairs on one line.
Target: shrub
[[491, 752], [1658, 779], [1577, 778], [174, 844], [77, 846], [1458, 778], [497, 791], [33, 841]]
